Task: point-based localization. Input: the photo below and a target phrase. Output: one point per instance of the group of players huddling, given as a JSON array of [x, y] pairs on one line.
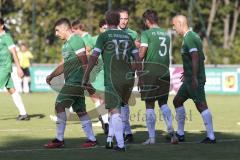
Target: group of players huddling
[[119, 54]]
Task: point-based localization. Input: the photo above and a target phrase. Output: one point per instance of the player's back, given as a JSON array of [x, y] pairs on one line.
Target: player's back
[[117, 48], [156, 59]]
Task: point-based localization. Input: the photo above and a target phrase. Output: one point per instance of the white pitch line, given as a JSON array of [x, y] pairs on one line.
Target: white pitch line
[[134, 144]]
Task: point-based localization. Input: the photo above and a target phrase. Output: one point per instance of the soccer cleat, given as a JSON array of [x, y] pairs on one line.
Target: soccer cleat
[[54, 144], [181, 138], [23, 117], [116, 148], [149, 141], [173, 137], [106, 128], [109, 145], [128, 138], [89, 144], [207, 140]]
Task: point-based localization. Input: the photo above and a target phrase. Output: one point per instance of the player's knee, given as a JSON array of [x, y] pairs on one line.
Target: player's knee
[[177, 102], [201, 107], [150, 104]]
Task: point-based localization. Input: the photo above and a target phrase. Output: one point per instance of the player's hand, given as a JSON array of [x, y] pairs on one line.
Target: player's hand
[[48, 79], [20, 72], [182, 77], [194, 82]]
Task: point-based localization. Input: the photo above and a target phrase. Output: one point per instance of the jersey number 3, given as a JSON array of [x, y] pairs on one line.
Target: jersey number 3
[[163, 45]]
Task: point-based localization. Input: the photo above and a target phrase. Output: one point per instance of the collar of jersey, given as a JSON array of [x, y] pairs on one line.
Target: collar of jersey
[[123, 28], [187, 32], [113, 29], [84, 34], [70, 36]]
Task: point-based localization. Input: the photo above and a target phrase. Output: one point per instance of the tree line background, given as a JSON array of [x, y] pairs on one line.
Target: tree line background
[[216, 21]]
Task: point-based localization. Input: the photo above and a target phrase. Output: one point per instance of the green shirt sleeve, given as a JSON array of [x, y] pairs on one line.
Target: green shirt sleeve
[[9, 41], [88, 40], [77, 44], [191, 43], [99, 43], [144, 39]]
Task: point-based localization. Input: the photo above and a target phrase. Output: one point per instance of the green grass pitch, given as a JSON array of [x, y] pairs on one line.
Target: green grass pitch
[[24, 140]]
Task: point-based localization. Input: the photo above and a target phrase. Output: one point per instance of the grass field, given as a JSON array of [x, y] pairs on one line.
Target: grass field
[[24, 140]]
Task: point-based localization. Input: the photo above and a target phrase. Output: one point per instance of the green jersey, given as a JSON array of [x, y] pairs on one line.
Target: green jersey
[[132, 33], [117, 49], [88, 40], [156, 60], [6, 43], [73, 71], [192, 42]]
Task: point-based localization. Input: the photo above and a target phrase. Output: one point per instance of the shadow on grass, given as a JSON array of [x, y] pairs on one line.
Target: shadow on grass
[[139, 136], [37, 116], [23, 147]]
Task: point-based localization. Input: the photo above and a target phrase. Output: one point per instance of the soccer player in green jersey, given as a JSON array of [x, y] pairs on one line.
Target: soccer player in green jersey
[[125, 111], [154, 50], [193, 79], [116, 48], [72, 94], [98, 83], [7, 53], [79, 28]]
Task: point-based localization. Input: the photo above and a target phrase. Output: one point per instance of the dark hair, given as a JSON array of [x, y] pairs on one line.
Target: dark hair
[[102, 22], [112, 17], [151, 16], [77, 23], [64, 21], [123, 10], [2, 23]]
